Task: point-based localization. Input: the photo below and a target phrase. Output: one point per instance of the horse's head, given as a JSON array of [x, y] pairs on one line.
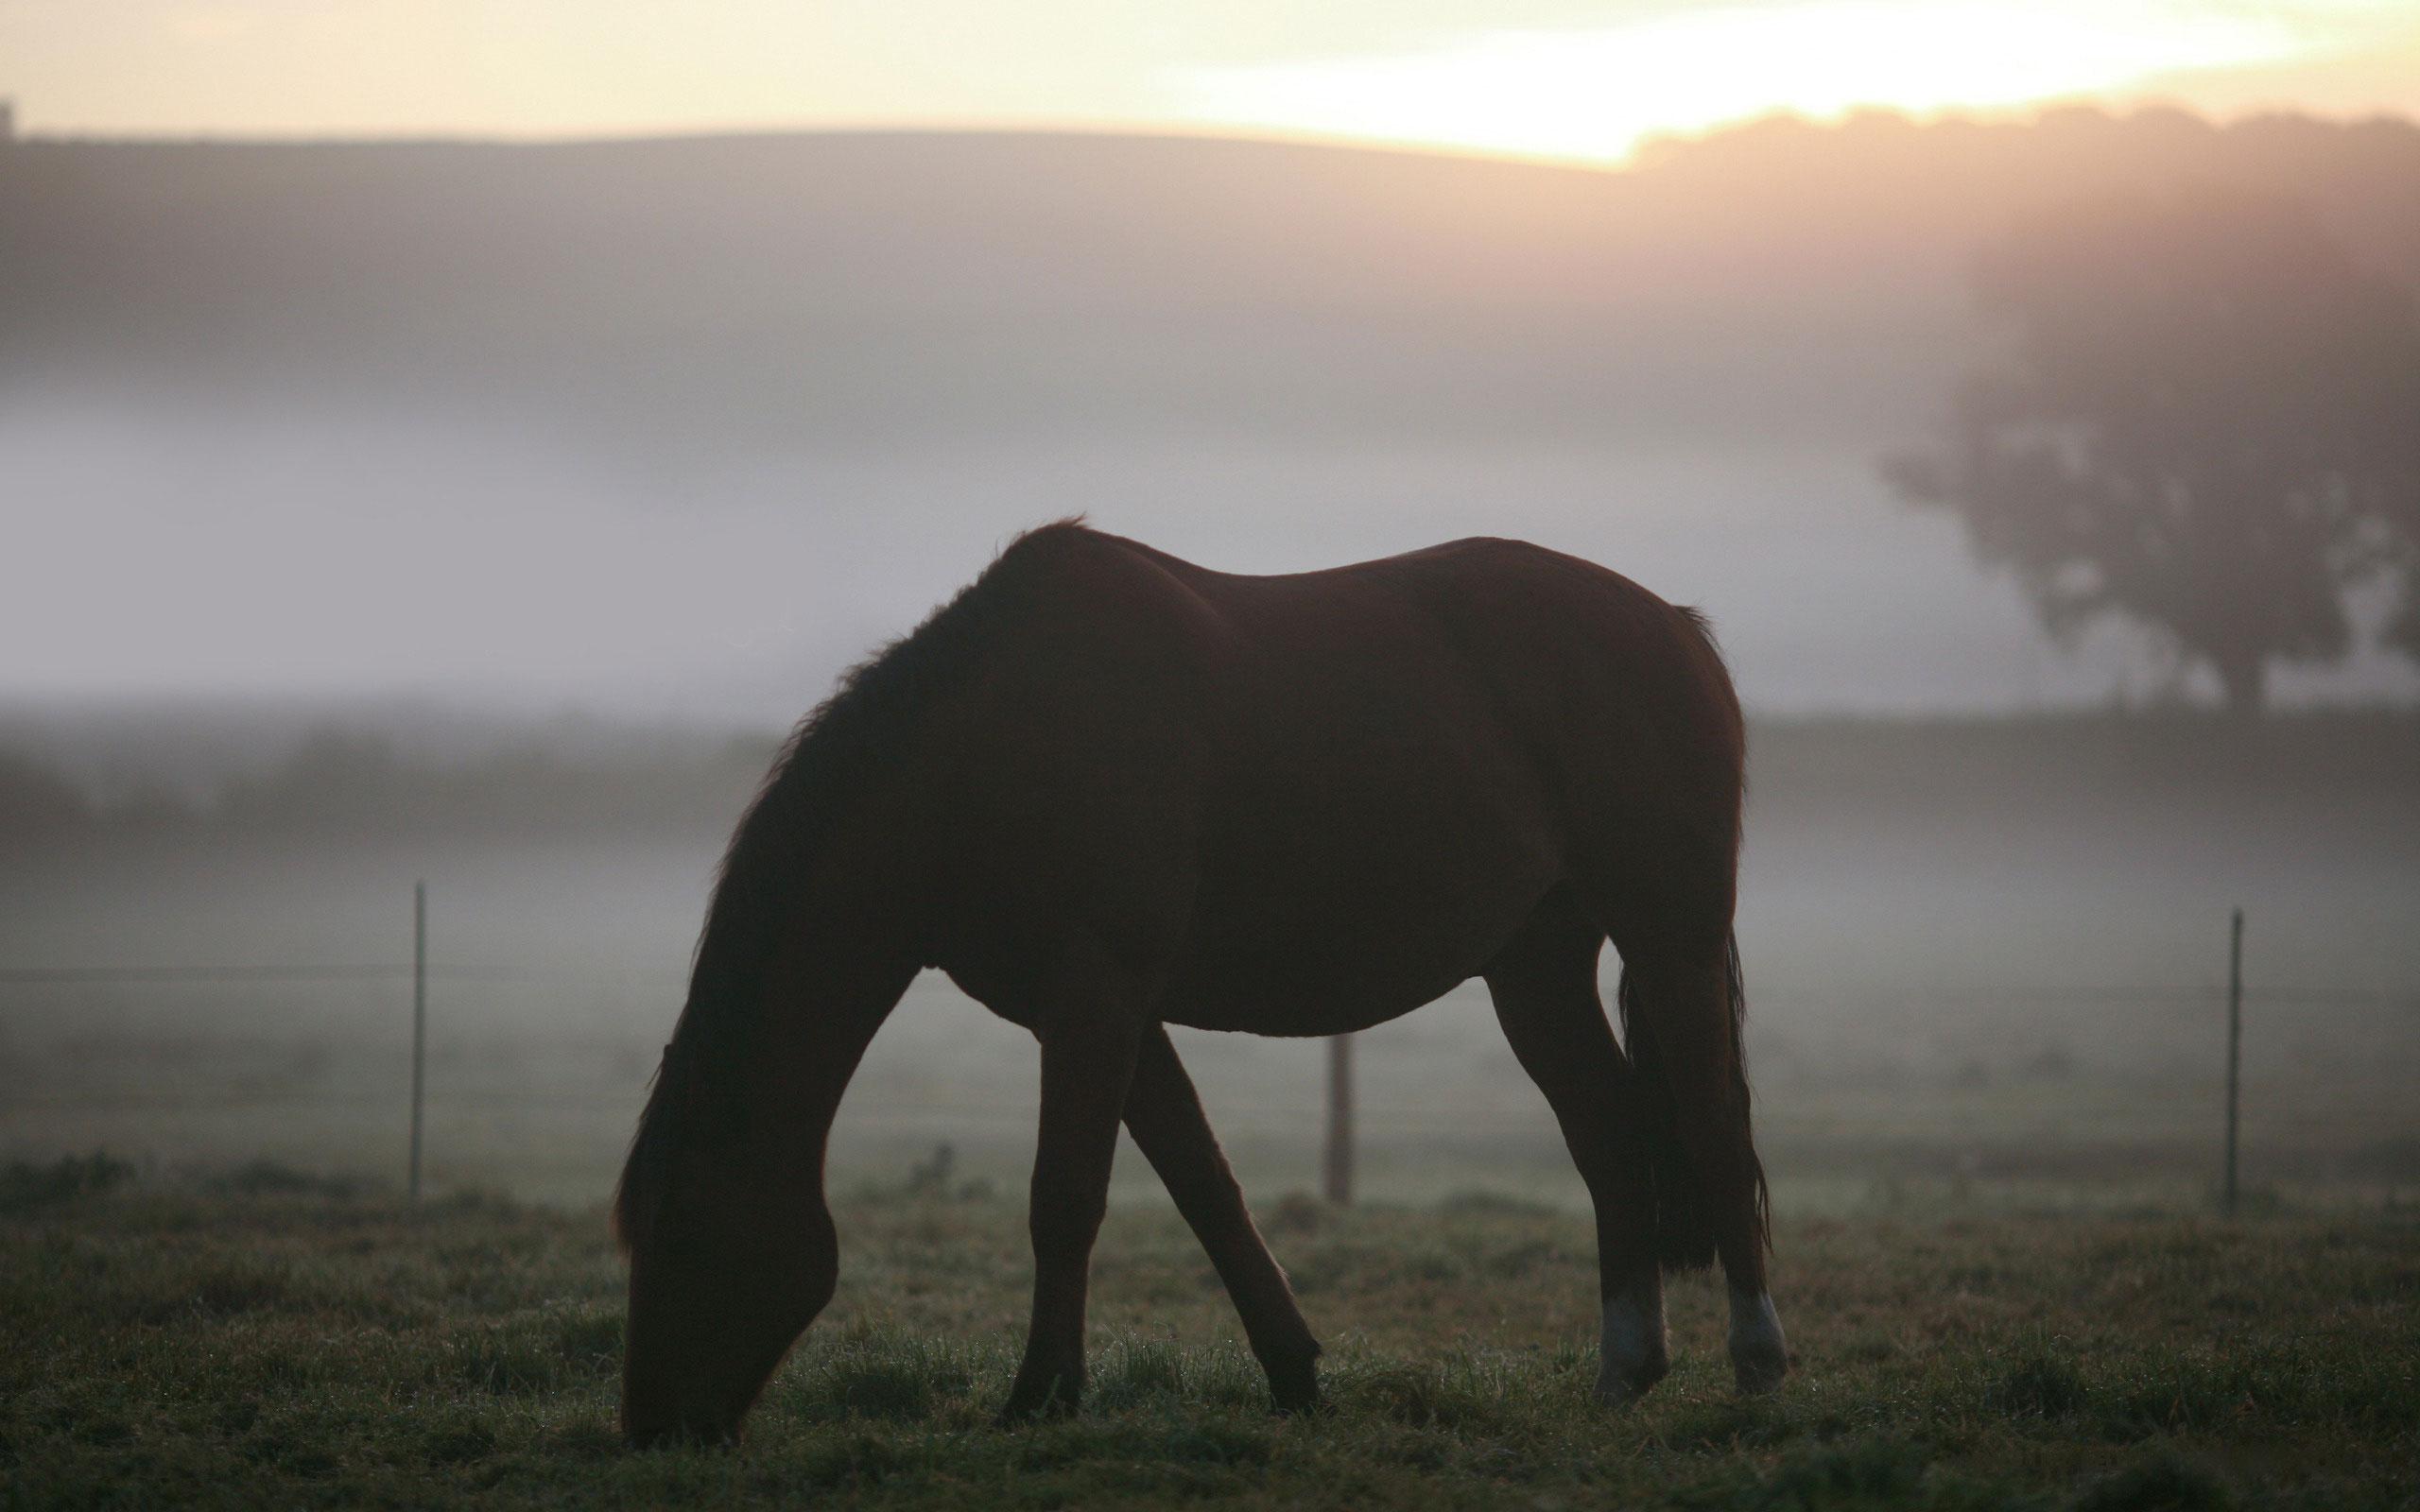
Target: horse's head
[[730, 1260]]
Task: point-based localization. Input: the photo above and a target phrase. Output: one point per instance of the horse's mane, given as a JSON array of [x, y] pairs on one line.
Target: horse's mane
[[826, 762]]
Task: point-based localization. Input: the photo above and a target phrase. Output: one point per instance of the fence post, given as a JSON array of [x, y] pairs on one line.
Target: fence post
[[2235, 1055], [420, 1021], [1339, 1165]]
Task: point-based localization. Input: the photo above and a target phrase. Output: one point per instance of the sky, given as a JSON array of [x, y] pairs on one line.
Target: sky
[[1551, 79]]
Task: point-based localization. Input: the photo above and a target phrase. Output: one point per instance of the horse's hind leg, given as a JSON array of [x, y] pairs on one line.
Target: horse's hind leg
[[1680, 1009], [1164, 1113], [1545, 990], [1090, 1022]]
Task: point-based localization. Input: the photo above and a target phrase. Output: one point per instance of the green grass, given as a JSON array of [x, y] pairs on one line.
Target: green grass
[[249, 1345]]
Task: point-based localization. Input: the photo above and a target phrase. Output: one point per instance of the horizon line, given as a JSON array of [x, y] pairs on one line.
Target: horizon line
[[1639, 155]]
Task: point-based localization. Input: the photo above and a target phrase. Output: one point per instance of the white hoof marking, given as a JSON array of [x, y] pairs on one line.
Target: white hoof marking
[[1760, 1353], [1634, 1352]]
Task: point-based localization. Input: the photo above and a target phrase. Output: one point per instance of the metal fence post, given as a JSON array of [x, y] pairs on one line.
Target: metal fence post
[[420, 1021]]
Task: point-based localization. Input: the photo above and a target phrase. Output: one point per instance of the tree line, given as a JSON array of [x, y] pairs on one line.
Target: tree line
[[351, 782]]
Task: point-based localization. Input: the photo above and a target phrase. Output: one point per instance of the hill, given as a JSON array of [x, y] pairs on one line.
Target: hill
[[887, 291]]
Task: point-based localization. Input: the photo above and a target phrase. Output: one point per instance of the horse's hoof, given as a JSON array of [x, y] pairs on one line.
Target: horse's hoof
[[1029, 1403], [1294, 1390], [1636, 1351], [651, 1440], [1620, 1388], [1021, 1410], [1760, 1353], [1021, 1415], [1760, 1378]]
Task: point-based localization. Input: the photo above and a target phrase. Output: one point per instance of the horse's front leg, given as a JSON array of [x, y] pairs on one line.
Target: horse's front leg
[[1090, 1022], [1164, 1113]]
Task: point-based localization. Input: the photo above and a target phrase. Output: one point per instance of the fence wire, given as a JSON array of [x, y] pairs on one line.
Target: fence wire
[[2289, 996]]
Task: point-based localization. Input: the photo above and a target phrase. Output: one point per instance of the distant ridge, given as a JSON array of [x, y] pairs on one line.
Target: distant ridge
[[878, 290]]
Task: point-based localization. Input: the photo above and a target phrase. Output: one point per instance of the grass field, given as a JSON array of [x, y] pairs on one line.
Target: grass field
[[255, 1345], [1987, 1034]]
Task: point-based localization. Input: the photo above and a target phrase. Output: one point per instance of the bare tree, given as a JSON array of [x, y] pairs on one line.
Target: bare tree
[[2208, 423]]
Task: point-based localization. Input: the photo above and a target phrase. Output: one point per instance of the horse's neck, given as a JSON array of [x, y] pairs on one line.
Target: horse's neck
[[813, 1049], [806, 953], [830, 975]]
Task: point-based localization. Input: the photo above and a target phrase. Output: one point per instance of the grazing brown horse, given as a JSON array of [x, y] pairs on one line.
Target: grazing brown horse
[[1107, 791]]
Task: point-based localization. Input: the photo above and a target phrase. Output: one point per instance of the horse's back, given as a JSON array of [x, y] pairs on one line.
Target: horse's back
[[1329, 797], [1612, 704]]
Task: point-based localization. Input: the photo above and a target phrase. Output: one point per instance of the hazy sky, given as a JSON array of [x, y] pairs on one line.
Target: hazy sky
[[1550, 77]]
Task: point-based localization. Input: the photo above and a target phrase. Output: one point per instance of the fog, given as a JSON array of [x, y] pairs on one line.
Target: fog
[[452, 563], [1983, 957], [560, 480]]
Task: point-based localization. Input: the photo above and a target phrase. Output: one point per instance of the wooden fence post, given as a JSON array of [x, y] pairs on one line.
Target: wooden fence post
[[1339, 1165], [420, 1022], [2235, 1055]]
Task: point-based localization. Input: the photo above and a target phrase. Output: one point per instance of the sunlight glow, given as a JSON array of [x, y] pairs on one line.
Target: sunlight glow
[[1597, 93]]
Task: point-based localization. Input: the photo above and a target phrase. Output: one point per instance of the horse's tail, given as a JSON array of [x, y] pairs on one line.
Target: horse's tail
[[1693, 1119]]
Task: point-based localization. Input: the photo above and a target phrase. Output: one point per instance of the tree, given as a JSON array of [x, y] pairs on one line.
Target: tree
[[37, 802], [2208, 423]]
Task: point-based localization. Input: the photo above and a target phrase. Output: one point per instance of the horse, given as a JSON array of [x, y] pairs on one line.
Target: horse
[[1106, 791]]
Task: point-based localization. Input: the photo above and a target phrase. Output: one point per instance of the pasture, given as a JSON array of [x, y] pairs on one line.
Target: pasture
[[1985, 971], [263, 1340]]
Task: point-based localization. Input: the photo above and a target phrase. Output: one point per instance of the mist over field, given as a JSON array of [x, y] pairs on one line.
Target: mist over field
[[483, 513], [1984, 958]]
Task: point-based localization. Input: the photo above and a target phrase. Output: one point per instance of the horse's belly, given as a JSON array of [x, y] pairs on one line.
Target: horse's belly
[[1321, 949], [1201, 1003]]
